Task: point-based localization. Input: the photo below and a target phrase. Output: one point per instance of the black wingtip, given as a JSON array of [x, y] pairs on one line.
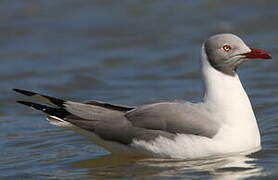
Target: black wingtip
[[26, 103], [58, 112], [53, 100], [27, 93], [33, 105]]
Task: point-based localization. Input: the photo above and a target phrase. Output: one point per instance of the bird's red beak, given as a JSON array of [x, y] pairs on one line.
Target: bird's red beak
[[257, 54]]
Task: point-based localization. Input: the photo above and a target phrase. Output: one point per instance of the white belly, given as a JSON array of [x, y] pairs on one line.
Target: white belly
[[192, 146]]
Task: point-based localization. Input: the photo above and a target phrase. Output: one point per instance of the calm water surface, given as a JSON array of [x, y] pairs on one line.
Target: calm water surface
[[129, 52]]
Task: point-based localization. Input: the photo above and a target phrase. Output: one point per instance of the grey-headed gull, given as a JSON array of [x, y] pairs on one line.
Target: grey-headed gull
[[222, 123]]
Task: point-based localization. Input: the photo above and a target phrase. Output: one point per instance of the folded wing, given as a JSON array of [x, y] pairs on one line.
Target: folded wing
[[123, 124]]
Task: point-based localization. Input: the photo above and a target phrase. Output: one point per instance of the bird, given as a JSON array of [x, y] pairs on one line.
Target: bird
[[222, 123]]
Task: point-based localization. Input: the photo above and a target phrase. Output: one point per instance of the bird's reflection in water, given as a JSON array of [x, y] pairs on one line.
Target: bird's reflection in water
[[115, 166]]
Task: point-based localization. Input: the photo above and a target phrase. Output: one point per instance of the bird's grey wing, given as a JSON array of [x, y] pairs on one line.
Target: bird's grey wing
[[106, 120], [118, 128], [110, 124], [174, 117]]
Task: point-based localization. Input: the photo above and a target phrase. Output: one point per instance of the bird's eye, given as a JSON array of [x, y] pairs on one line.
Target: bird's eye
[[226, 48]]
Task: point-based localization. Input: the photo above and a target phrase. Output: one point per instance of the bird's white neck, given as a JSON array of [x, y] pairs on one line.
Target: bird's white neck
[[226, 94], [227, 100]]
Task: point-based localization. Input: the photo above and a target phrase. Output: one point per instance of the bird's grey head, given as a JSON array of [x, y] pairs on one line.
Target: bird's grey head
[[226, 51]]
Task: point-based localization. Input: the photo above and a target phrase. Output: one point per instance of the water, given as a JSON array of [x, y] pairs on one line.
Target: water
[[129, 52]]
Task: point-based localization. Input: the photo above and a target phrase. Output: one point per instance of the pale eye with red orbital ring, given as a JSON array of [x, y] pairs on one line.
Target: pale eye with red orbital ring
[[226, 48]]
